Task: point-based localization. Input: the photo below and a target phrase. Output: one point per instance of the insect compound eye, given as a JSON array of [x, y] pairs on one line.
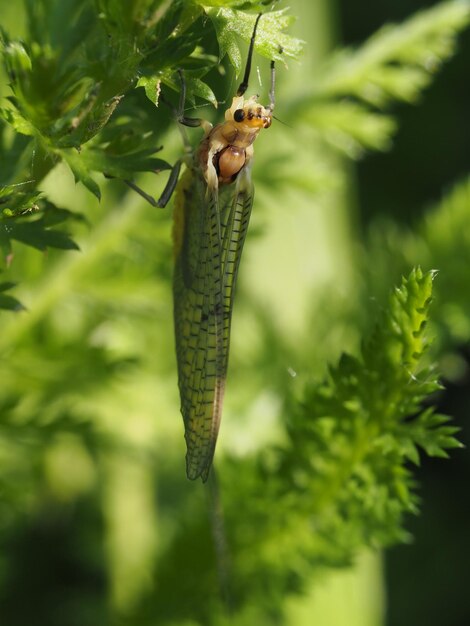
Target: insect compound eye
[[239, 115]]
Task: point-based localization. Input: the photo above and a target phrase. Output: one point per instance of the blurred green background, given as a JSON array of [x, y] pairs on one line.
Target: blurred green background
[[92, 485], [426, 581]]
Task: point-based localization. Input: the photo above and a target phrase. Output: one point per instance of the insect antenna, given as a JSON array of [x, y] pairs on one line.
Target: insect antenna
[[272, 99], [244, 84], [282, 122]]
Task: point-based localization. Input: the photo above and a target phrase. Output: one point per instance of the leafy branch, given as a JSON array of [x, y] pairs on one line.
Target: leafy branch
[[441, 237], [75, 391], [74, 96], [341, 480], [351, 93]]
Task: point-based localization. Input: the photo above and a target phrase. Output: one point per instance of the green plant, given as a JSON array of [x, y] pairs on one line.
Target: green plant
[[90, 436]]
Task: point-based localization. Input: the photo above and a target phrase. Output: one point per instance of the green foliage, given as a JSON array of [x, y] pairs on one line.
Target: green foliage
[[6, 301], [395, 65], [440, 238], [67, 84], [29, 219], [370, 407], [270, 40], [351, 436], [91, 442], [341, 479]]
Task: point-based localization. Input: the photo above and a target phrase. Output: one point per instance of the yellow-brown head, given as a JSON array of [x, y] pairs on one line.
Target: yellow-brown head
[[248, 114]]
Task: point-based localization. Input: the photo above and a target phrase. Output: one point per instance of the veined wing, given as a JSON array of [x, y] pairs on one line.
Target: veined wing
[[198, 311], [209, 234], [235, 220]]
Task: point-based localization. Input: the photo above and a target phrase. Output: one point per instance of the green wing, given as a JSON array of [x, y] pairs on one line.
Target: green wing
[[210, 230]]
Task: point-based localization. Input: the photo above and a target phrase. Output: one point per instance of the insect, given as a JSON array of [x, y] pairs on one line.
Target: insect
[[213, 204]]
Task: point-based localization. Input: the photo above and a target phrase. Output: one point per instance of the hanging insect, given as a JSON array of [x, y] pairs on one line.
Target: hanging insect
[[212, 210]]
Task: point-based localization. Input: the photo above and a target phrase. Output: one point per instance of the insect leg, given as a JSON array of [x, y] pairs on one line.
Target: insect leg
[[167, 192], [192, 122], [244, 84], [170, 185], [175, 170]]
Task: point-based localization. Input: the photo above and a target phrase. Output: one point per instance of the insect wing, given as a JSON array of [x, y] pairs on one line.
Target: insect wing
[[198, 311], [235, 219], [210, 229]]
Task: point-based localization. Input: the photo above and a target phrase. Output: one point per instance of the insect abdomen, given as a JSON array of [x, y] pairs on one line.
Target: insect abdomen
[[229, 162]]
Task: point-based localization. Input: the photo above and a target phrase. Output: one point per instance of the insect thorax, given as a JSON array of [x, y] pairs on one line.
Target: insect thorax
[[227, 149]]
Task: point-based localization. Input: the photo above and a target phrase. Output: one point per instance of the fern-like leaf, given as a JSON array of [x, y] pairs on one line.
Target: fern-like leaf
[[345, 468], [396, 64]]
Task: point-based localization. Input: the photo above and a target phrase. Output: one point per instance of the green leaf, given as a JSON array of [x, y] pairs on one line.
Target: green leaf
[[396, 64], [351, 128], [122, 165], [18, 199], [80, 171], [6, 286], [54, 216], [152, 87], [194, 87], [36, 235], [365, 421], [397, 61], [17, 121], [270, 41], [8, 302], [31, 223]]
